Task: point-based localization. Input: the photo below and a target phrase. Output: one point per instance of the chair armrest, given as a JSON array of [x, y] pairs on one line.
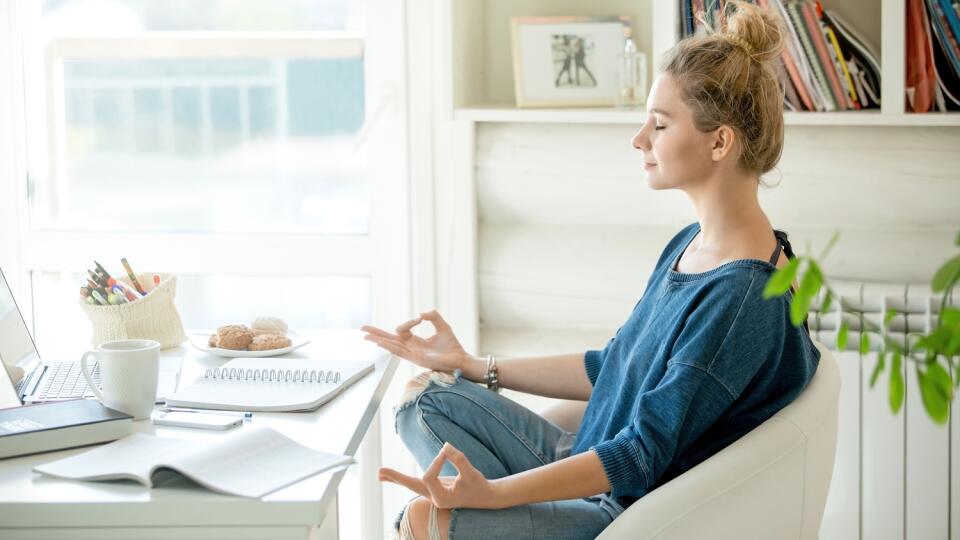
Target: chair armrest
[[565, 414], [743, 492]]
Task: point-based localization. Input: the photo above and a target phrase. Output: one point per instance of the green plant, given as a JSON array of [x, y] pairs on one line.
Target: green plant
[[935, 354]]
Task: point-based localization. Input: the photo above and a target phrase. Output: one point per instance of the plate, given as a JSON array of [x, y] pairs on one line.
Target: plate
[[199, 341]]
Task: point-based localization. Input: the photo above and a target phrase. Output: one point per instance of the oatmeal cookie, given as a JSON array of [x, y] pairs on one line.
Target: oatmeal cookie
[[266, 342], [235, 337]]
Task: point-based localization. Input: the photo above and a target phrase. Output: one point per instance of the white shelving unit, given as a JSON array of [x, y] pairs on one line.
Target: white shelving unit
[[481, 76]]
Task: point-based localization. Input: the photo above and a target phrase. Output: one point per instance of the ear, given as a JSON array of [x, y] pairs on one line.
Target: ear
[[723, 142]]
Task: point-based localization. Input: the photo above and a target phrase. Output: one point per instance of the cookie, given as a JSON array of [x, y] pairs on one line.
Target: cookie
[[266, 342], [235, 337], [269, 325], [212, 342]]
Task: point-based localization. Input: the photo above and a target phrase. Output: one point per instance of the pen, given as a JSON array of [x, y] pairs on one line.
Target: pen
[[132, 276], [241, 414]]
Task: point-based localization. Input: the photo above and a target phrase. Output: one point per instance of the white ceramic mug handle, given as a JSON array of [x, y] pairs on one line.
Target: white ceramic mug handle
[[86, 374]]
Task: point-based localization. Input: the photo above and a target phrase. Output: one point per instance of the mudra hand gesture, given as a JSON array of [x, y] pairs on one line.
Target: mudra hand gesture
[[439, 352], [469, 489]]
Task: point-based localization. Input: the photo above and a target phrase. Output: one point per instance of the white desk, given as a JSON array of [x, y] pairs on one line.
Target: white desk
[[34, 506]]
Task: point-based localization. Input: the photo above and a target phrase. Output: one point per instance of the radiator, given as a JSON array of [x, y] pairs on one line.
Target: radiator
[[895, 476]]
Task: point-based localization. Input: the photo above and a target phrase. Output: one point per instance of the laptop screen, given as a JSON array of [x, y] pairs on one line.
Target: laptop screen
[[17, 350]]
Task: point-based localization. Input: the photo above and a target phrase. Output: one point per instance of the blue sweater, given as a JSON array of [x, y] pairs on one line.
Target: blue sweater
[[702, 360]]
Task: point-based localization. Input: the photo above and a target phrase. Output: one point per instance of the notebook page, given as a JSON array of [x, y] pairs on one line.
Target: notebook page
[[260, 395]]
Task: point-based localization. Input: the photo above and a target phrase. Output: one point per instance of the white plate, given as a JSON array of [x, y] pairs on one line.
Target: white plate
[[199, 341]]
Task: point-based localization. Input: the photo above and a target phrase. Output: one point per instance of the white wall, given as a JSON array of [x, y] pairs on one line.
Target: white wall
[[569, 230]]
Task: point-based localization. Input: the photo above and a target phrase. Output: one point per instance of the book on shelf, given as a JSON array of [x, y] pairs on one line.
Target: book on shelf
[[270, 384], [827, 65], [250, 462], [56, 425]]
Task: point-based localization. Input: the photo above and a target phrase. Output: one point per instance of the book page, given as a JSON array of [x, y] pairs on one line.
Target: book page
[[250, 462], [130, 458], [253, 462]]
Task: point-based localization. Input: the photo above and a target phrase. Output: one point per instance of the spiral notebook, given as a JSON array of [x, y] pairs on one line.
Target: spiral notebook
[[270, 384]]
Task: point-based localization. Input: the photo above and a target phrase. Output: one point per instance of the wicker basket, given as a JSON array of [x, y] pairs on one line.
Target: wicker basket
[[152, 317]]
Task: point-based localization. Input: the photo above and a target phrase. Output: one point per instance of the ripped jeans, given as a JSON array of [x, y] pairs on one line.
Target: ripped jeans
[[500, 437]]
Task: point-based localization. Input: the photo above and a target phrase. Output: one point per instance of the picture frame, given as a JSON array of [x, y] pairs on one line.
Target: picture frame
[[567, 61]]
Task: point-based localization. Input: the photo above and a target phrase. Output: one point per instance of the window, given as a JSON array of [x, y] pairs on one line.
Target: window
[[248, 147]]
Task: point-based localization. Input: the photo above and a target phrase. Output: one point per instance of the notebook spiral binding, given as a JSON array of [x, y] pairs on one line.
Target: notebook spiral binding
[[274, 375]]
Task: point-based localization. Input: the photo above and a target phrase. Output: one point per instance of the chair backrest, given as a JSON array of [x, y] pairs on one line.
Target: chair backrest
[[771, 483]]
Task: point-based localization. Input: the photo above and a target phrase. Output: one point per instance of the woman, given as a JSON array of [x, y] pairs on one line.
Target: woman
[[702, 359]]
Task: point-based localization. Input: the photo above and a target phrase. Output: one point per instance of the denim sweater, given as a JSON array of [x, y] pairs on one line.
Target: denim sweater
[[702, 360]]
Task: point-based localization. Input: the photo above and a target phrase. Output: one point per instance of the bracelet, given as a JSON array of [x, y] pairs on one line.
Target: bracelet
[[491, 376]]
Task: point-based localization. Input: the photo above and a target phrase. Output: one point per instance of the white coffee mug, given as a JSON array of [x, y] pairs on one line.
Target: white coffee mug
[[129, 370]]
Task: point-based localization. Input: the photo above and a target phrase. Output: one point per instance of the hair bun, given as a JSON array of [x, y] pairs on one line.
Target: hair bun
[[754, 29]]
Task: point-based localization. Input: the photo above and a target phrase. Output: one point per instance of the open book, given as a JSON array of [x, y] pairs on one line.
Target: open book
[[270, 384], [250, 462]]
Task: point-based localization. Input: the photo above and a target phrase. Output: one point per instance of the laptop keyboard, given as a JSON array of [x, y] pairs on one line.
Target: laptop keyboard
[[63, 380]]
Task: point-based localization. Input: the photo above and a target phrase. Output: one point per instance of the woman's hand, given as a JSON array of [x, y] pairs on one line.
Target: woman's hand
[[469, 489], [439, 352]]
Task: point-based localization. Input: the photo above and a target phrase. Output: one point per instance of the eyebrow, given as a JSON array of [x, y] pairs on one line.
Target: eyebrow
[[659, 111]]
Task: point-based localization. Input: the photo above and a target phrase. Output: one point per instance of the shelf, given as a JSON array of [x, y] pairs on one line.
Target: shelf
[[509, 114]]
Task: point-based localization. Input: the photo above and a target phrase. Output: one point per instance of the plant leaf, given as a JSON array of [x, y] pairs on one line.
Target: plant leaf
[[780, 281], [842, 336], [891, 313], [809, 285], [876, 371], [896, 385], [933, 399], [864, 343], [947, 275], [941, 380], [827, 301], [830, 244]]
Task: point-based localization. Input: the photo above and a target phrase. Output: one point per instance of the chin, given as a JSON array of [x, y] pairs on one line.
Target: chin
[[655, 181]]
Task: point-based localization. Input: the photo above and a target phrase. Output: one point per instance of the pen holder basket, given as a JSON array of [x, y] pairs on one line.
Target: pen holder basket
[[153, 317]]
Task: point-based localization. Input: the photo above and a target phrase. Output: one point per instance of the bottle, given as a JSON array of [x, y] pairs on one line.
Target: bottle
[[632, 77]]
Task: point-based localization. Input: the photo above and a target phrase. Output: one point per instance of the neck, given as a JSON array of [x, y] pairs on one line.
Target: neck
[[729, 212]]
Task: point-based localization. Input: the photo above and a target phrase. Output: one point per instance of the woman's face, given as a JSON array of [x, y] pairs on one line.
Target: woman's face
[[675, 153]]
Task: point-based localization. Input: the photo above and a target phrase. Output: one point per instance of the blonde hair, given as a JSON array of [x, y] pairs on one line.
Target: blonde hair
[[731, 77]]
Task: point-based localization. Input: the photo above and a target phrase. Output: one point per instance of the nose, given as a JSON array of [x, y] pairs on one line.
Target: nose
[[640, 140]]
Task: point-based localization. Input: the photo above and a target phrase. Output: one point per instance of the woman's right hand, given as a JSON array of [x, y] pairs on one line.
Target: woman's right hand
[[439, 352]]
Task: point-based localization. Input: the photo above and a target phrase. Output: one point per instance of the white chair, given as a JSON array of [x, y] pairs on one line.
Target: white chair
[[771, 483]]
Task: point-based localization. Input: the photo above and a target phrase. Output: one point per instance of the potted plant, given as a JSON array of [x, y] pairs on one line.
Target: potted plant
[[934, 353]]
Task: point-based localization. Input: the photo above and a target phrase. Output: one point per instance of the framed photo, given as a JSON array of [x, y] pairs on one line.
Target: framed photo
[[567, 61]]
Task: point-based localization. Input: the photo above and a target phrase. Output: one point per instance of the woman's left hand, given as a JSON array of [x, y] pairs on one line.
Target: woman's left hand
[[469, 489]]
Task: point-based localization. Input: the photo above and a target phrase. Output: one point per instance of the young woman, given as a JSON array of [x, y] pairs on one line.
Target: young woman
[[702, 359]]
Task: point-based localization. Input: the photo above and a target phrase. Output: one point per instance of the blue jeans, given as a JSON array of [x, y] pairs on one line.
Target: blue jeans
[[500, 437]]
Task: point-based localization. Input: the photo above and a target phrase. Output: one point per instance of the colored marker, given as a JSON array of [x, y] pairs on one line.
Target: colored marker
[[103, 271], [99, 298], [132, 276]]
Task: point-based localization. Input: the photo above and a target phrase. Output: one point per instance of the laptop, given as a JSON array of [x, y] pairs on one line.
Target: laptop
[[36, 381]]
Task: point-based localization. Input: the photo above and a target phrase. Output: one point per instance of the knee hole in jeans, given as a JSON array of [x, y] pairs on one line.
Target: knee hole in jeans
[[416, 385]]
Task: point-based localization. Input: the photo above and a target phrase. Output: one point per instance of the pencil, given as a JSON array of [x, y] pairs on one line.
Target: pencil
[[132, 276]]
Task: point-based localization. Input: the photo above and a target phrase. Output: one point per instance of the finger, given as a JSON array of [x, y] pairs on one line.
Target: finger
[[394, 349], [377, 332], [404, 329], [410, 482], [430, 476], [434, 317], [380, 339], [458, 459]]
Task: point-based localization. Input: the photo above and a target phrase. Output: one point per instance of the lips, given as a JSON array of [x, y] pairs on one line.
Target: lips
[[648, 165]]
